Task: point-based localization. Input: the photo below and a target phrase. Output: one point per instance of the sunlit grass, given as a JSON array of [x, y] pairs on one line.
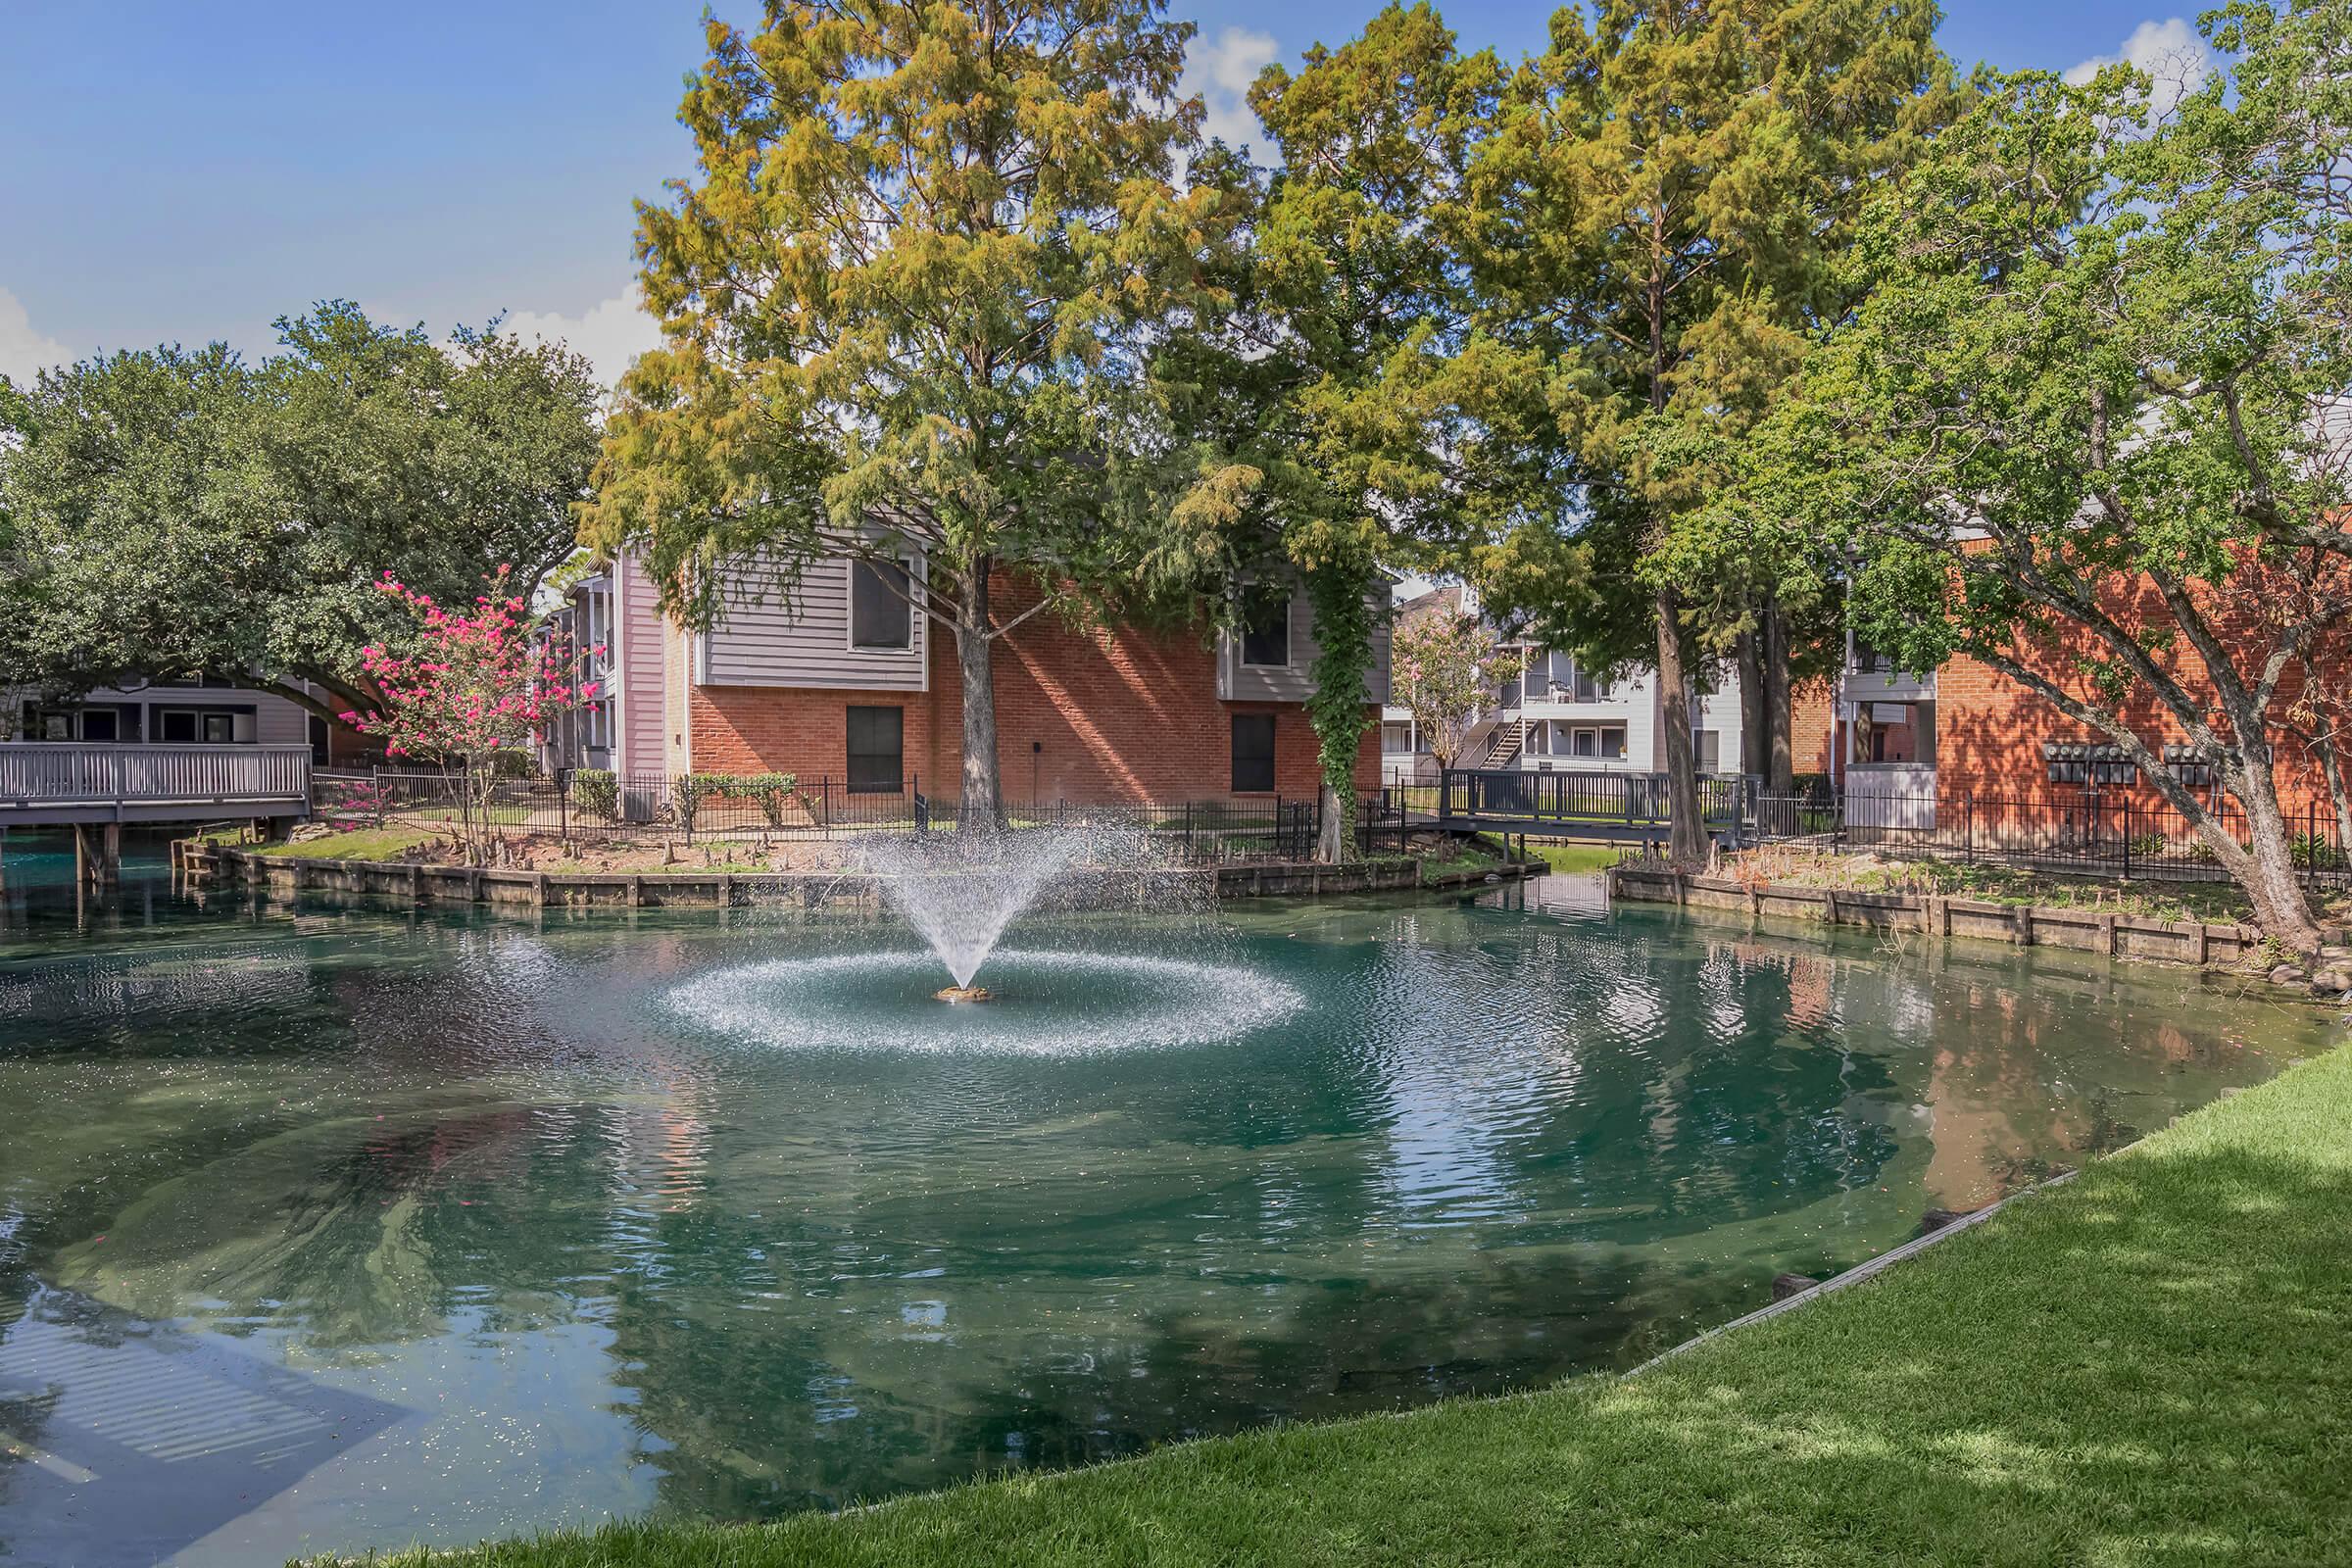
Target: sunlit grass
[[2147, 1365], [359, 844], [1575, 859]]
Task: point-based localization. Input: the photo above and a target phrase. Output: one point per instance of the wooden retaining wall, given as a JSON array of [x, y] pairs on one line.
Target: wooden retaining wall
[[2120, 936], [538, 890]]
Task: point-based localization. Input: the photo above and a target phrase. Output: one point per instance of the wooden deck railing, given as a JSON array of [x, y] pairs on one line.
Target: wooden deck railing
[[35, 775]]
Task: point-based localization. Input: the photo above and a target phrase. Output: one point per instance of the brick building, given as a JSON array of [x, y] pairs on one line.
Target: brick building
[[846, 680], [1967, 730]]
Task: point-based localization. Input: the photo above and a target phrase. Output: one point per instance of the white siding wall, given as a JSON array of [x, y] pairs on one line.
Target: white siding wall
[[1633, 703], [1719, 712]]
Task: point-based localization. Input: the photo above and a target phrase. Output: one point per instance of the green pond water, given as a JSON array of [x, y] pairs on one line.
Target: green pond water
[[324, 1227]]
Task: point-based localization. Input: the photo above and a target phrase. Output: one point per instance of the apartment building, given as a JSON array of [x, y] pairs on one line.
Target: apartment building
[[1556, 717], [844, 677]]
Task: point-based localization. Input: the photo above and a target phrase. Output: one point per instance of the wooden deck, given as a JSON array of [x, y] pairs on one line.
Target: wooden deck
[[49, 784], [98, 790]]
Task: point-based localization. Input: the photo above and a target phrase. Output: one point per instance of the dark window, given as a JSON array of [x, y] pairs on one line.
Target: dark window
[[189, 726], [879, 614], [1252, 754], [317, 740], [1266, 632], [877, 750], [98, 724]]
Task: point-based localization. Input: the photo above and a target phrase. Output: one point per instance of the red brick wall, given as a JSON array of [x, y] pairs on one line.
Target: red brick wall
[[1810, 708], [1090, 717], [1990, 729]]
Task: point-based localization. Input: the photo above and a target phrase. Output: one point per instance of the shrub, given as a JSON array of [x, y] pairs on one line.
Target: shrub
[[596, 791], [2314, 853], [770, 791]]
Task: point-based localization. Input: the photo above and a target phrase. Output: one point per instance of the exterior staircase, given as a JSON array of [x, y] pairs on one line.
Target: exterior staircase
[[1503, 747]]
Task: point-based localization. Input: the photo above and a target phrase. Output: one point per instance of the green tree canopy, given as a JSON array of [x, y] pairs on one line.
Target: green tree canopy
[[2089, 428], [1653, 225], [1345, 386], [184, 513], [917, 298]]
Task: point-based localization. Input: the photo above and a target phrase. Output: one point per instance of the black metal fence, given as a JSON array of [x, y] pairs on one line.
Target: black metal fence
[[588, 806], [2090, 832]]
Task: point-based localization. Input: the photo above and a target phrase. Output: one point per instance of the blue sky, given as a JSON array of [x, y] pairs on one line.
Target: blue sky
[[176, 171]]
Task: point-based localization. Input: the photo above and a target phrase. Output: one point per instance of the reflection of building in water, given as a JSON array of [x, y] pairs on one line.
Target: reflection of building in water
[[1809, 1001], [2003, 1114], [661, 1140]]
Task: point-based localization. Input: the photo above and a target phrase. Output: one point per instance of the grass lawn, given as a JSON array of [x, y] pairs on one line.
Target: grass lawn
[[1473, 854], [1574, 858], [2149, 1365], [359, 844]]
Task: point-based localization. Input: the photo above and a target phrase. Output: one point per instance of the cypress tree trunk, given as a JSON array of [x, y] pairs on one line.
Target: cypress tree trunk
[[983, 809], [1780, 711], [1686, 837], [1755, 720]]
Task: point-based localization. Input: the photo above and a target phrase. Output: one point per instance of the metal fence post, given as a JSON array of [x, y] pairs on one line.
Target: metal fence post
[[2127, 838], [1968, 829]]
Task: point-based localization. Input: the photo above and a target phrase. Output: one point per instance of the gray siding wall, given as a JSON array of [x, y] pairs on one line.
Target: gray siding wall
[[1237, 682], [277, 720], [771, 639]]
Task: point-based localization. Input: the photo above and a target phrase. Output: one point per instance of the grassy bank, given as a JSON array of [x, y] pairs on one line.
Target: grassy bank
[[2221, 902], [2146, 1366]]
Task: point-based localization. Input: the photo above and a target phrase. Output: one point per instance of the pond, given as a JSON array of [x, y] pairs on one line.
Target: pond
[[329, 1227]]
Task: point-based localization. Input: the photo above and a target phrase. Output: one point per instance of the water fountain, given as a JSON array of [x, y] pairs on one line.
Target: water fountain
[[959, 891], [1084, 988]]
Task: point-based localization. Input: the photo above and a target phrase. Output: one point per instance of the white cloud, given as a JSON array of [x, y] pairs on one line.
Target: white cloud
[[612, 333], [2175, 58], [24, 351], [1221, 70]]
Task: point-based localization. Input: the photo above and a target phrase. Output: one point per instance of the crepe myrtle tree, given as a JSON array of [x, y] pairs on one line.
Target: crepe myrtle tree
[[467, 685], [2088, 429], [1444, 668]]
